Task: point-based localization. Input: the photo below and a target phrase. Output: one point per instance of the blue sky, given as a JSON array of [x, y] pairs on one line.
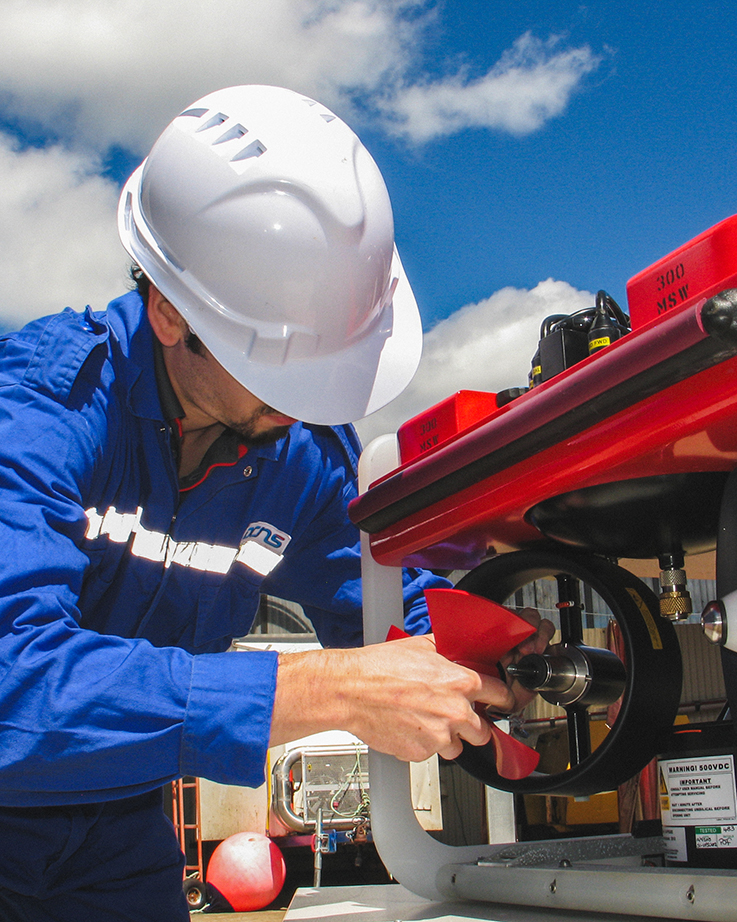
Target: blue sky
[[535, 152], [642, 158]]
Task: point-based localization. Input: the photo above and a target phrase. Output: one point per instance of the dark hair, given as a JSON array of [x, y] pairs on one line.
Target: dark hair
[[194, 343], [142, 284]]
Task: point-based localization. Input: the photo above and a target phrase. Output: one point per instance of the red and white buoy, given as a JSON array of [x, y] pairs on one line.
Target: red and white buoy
[[248, 869]]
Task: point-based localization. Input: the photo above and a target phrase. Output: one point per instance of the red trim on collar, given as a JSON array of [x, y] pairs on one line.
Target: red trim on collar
[[242, 449]]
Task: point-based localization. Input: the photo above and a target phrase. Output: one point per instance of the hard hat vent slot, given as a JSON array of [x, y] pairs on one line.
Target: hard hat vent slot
[[214, 121], [193, 113], [237, 131], [254, 149], [326, 116]]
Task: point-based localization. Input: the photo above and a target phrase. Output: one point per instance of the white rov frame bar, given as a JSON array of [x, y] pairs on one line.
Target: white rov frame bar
[[576, 874]]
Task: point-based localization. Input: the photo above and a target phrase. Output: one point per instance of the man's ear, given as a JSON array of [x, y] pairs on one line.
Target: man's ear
[[167, 323]]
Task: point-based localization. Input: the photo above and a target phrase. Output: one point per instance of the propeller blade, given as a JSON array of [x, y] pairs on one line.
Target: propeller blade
[[514, 760], [396, 633], [472, 630], [476, 633]]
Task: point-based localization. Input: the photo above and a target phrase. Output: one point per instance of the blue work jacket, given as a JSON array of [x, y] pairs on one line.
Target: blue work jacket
[[119, 594]]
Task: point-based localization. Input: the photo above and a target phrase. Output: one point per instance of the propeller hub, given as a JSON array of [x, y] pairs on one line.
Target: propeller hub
[[572, 674]]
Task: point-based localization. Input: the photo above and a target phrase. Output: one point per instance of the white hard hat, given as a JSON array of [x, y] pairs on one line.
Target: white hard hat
[[263, 219]]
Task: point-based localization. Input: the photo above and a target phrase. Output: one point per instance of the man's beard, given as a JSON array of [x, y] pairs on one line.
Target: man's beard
[[252, 436]]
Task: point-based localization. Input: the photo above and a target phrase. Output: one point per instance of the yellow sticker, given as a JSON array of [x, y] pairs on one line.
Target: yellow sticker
[[600, 343], [647, 617]]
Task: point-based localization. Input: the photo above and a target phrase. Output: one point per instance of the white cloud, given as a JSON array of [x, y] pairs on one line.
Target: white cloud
[[531, 84], [115, 73], [486, 347], [59, 241], [98, 74]]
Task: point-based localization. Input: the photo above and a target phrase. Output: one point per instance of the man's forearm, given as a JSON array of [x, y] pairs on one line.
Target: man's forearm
[[402, 698]]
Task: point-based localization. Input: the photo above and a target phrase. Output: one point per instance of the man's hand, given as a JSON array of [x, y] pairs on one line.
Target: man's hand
[[402, 698], [536, 643]]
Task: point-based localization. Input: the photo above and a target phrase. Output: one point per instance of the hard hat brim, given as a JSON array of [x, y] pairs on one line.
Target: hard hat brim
[[345, 386]]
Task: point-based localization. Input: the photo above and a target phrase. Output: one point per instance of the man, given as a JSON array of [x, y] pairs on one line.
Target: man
[[155, 480]]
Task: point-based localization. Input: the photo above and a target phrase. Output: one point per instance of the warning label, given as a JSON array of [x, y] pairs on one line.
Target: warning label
[[698, 791]]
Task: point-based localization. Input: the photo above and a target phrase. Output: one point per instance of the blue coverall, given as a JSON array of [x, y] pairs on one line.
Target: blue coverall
[[119, 594]]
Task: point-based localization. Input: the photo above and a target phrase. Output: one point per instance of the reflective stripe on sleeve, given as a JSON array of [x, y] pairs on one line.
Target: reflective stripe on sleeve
[[161, 548]]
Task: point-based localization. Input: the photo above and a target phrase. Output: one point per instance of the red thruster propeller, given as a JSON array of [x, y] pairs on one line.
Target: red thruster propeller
[[476, 632]]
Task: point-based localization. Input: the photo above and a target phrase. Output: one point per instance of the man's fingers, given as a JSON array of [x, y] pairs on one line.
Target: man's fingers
[[536, 643], [452, 751], [496, 695], [540, 640], [529, 614]]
